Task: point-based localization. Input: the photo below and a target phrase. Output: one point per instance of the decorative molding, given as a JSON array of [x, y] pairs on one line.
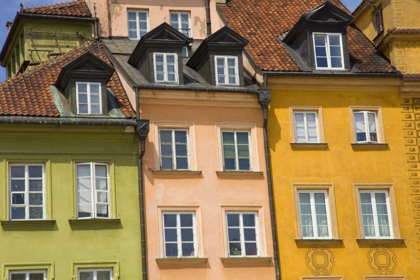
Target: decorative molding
[[382, 259], [143, 128], [320, 260], [264, 97]]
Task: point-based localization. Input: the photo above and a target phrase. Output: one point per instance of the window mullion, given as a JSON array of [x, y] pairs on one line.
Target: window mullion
[[305, 125], [26, 192], [327, 49], [178, 233], [226, 70], [93, 187], [236, 151], [366, 119], [242, 235], [375, 213], [173, 150], [314, 222]]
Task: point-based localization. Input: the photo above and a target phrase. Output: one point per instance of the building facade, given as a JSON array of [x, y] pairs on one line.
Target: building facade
[[337, 140]]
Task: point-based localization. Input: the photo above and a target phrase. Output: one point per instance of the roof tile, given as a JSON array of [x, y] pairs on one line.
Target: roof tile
[[77, 8]]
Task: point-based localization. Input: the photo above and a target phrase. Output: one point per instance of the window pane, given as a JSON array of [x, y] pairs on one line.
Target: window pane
[[36, 213], [159, 58], [86, 275], [181, 136], [250, 234], [35, 198], [335, 51], [235, 249], [18, 213], [361, 137], [181, 163], [94, 98], [18, 198], [82, 87], [319, 41], [181, 150], [186, 220], [102, 184], [18, 171], [244, 164], [228, 138], [233, 220], [334, 40], [243, 151], [169, 220], [249, 220], [20, 276], [102, 211], [251, 249], [83, 109], [167, 163], [188, 249], [35, 171], [220, 62], [229, 164], [336, 62], [85, 197], [104, 275], [310, 117], [132, 34], [101, 170], [234, 234], [35, 185], [171, 78], [82, 98], [187, 234], [242, 137], [102, 197], [166, 150], [132, 16], [94, 88], [84, 211], [166, 136], [299, 117], [304, 197], [365, 198], [170, 59], [321, 52], [229, 151], [95, 109], [143, 16], [322, 62], [171, 250], [17, 185], [170, 235], [132, 25]]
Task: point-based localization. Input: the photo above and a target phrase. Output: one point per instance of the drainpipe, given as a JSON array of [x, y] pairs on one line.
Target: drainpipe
[[264, 98], [142, 129], [208, 20]]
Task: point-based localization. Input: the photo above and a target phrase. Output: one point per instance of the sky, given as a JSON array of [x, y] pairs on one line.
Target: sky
[[10, 8]]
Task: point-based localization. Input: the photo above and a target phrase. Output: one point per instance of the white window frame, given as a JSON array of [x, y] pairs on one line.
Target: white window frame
[[236, 150], [375, 214], [313, 212], [178, 233], [327, 46], [367, 129], [174, 155], [95, 271], [226, 70], [306, 125], [138, 30], [27, 273], [94, 191], [89, 104], [179, 27], [242, 235], [165, 67], [26, 192]]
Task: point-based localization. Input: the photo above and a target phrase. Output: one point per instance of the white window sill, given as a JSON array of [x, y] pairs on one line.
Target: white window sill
[[309, 145], [380, 240], [238, 172], [169, 171], [181, 260], [95, 221], [246, 259], [22, 222], [369, 146], [318, 241]]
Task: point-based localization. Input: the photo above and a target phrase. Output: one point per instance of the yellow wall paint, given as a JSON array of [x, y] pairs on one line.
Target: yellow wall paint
[[342, 166]]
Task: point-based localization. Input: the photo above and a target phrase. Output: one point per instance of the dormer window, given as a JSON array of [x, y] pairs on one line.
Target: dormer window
[[227, 70], [181, 22], [328, 51], [378, 21], [89, 98], [166, 67]]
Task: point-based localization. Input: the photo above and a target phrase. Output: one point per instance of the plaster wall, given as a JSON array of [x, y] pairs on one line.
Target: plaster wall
[[208, 191], [64, 243], [342, 166]]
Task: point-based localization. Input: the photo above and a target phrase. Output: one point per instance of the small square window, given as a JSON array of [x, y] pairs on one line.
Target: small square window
[[328, 51], [27, 192], [179, 234], [227, 70], [236, 151], [95, 274], [366, 128], [28, 275], [93, 190], [242, 234], [166, 67], [173, 149], [138, 24], [89, 98], [181, 21], [306, 126]]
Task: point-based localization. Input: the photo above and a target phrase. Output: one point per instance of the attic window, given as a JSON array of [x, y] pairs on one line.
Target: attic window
[[227, 70], [89, 98], [166, 67], [379, 25], [328, 51]]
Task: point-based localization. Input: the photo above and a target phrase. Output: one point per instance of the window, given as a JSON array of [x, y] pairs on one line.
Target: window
[[179, 235], [138, 24], [242, 234], [28, 275], [95, 274], [181, 22], [379, 24], [27, 192], [93, 195], [375, 211], [314, 214], [185, 52], [227, 70], [166, 67], [306, 127], [89, 101], [365, 123], [236, 152], [328, 51], [173, 149]]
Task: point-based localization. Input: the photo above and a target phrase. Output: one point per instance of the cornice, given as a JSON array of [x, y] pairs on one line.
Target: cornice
[[412, 39], [410, 89]]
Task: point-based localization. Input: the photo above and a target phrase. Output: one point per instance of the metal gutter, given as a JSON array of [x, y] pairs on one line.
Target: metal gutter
[[264, 99], [187, 88], [66, 121]]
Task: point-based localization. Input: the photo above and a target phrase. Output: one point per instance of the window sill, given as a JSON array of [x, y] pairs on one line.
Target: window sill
[[309, 145], [192, 172], [318, 241], [25, 222], [246, 260], [181, 260], [95, 221], [380, 240], [369, 146], [249, 173]]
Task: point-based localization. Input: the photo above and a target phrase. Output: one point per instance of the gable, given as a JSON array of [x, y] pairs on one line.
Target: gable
[[328, 13]]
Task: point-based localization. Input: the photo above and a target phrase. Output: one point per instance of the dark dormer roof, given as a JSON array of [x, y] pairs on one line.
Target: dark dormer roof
[[86, 66], [162, 36], [263, 21], [223, 39]]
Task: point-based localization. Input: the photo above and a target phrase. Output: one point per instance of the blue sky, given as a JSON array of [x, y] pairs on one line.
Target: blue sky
[[10, 7]]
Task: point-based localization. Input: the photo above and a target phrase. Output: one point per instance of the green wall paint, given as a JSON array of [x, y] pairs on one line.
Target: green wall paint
[[64, 246]]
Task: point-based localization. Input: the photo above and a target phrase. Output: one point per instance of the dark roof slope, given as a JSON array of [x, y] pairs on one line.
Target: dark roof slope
[[29, 94], [77, 8], [263, 21]]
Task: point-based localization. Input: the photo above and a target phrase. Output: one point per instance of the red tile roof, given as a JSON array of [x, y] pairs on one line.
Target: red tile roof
[[411, 77], [404, 31], [29, 94], [262, 21], [77, 8]]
